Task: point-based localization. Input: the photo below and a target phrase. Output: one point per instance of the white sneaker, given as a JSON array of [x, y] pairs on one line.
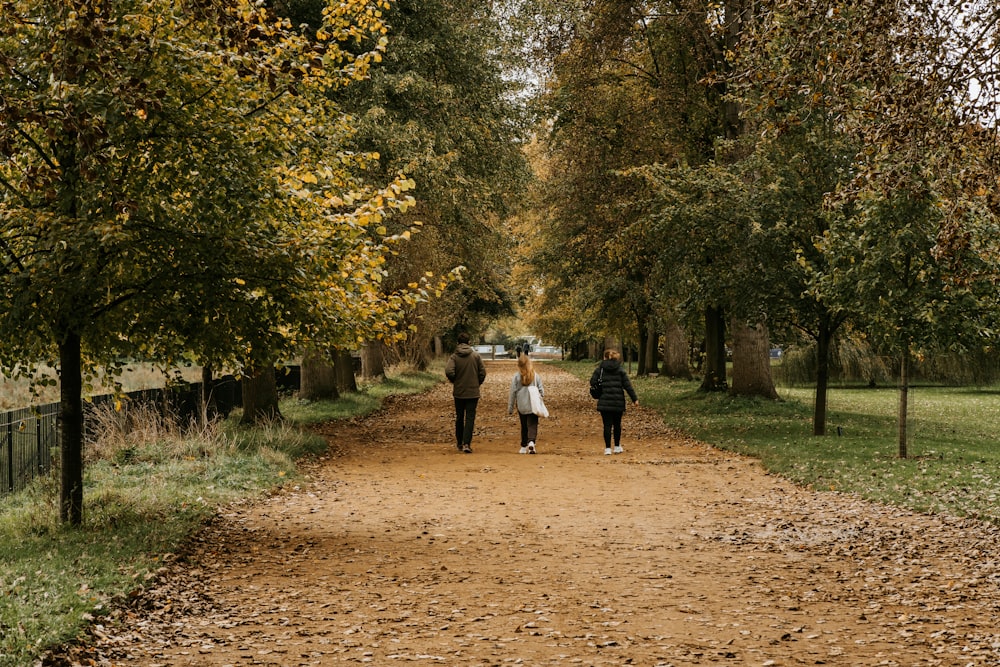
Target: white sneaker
[[531, 447], [607, 451], [523, 450], [618, 449]]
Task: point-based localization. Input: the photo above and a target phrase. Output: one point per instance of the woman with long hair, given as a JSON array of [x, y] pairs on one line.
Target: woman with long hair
[[519, 397]]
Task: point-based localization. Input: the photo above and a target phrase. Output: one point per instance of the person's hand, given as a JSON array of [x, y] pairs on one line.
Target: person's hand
[[635, 402]]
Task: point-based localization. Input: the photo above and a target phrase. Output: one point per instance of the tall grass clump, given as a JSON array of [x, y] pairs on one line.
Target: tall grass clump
[[147, 487], [853, 363], [971, 368], [150, 483]]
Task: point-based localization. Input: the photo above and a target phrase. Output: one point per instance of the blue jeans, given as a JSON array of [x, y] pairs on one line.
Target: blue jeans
[[465, 420]]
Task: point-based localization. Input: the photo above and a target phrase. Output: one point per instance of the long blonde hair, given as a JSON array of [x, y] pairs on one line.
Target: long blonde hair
[[527, 370]]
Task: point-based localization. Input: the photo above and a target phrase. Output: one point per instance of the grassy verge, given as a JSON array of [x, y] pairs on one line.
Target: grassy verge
[[953, 465], [366, 401], [143, 499]]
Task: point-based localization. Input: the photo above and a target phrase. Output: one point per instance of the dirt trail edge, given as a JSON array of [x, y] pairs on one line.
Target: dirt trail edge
[[397, 548]]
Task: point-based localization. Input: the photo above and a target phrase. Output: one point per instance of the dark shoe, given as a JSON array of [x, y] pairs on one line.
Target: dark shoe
[[467, 449]]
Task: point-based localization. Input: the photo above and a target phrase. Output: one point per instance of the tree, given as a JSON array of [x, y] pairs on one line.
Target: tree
[[172, 185], [319, 378], [795, 174], [373, 360], [751, 345], [260, 395], [624, 90], [794, 163], [906, 244], [343, 365], [676, 352], [441, 109], [714, 255], [909, 300]]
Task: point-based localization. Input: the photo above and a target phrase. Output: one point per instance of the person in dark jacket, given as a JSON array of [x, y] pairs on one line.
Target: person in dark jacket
[[614, 385], [466, 372]]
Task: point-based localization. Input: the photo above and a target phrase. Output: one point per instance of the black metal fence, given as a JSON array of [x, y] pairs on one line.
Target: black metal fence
[[30, 436]]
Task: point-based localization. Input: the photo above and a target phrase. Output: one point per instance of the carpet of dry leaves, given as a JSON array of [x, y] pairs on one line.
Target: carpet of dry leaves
[[398, 549]]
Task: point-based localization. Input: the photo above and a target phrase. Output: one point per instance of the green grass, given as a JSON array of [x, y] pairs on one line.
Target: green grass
[[142, 500], [367, 400], [953, 465]]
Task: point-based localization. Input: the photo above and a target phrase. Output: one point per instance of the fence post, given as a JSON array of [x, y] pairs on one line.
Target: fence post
[[10, 455], [38, 446]]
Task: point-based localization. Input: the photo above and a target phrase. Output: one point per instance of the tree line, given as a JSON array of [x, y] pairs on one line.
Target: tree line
[[229, 183], [745, 171]]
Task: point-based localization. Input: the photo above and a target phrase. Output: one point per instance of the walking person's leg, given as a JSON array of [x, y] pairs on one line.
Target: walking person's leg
[[532, 424], [524, 432], [459, 421], [470, 423], [607, 418], [616, 428]]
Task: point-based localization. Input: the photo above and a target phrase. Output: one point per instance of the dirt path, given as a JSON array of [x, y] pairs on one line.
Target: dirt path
[[400, 549]]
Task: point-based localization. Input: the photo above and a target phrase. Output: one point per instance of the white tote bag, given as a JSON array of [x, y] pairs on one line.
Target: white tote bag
[[537, 406]]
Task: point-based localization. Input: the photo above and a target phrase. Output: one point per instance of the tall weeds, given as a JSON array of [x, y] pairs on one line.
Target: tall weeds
[[854, 362]]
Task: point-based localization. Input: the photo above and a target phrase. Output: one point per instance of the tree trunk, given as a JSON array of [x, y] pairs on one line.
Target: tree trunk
[[343, 365], [373, 360], [652, 351], [260, 396], [714, 378], [904, 391], [209, 408], [675, 351], [736, 15], [417, 354], [752, 362], [643, 326], [823, 340], [71, 418], [318, 379]]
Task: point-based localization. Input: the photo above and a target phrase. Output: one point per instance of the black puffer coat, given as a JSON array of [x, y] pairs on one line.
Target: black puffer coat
[[614, 385]]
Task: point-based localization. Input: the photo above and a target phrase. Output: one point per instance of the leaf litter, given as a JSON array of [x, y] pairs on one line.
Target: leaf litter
[[399, 549]]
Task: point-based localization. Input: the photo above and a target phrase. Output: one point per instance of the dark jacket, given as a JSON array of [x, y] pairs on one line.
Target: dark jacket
[[614, 385], [466, 371]]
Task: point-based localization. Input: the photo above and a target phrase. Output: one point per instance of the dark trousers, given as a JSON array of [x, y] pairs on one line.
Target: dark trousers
[[612, 427], [465, 420], [529, 428]]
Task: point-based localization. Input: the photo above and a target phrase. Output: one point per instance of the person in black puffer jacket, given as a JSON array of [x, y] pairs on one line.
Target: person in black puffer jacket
[[614, 384]]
